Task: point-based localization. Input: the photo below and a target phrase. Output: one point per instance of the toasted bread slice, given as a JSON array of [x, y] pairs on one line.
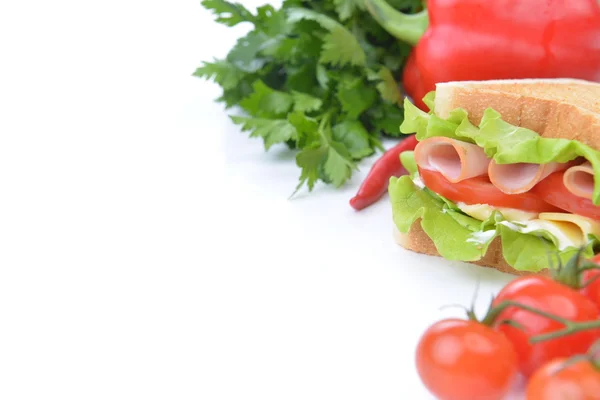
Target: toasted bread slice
[[417, 240], [554, 108]]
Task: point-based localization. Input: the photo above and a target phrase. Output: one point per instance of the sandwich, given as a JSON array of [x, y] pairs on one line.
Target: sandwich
[[506, 174]]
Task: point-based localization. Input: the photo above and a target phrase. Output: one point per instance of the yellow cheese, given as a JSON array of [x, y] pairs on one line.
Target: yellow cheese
[[484, 211], [569, 230], [575, 227]]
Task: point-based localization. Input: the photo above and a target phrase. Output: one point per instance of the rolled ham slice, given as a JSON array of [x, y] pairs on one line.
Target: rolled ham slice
[[521, 177], [454, 159], [579, 180]]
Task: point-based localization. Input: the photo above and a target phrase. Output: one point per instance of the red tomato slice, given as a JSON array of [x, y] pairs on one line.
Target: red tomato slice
[[480, 190], [553, 191]]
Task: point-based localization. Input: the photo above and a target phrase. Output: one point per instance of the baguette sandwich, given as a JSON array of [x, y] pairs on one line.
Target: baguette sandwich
[[506, 174]]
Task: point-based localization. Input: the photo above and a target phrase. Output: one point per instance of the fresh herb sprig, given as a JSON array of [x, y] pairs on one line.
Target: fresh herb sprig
[[318, 76]]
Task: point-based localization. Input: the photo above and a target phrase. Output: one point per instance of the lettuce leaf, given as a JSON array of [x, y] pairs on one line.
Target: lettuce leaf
[[505, 143], [460, 237], [409, 204], [527, 252]]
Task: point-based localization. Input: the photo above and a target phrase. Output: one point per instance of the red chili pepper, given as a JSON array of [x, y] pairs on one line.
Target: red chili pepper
[[376, 183], [458, 40]]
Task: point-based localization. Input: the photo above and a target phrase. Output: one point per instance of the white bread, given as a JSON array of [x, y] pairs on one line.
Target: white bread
[[555, 108]]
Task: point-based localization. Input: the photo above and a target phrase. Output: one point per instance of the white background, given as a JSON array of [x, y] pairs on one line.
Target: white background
[[148, 248]]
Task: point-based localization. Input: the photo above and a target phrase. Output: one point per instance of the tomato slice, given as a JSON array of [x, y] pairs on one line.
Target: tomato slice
[[480, 190], [552, 190]]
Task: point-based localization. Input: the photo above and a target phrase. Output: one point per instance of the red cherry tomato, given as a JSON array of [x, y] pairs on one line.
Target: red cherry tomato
[[552, 190], [462, 359], [559, 380], [592, 290], [480, 190], [547, 295]]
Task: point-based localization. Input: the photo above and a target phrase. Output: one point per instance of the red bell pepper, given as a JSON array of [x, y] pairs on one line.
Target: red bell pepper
[[458, 40]]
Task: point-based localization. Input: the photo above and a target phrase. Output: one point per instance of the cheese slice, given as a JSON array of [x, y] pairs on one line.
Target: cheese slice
[[569, 230], [484, 211], [576, 227]]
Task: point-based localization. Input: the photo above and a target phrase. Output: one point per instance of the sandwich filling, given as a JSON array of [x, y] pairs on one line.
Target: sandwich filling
[[469, 185]]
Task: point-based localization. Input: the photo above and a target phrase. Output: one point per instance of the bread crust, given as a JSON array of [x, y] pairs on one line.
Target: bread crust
[[567, 109], [418, 241]]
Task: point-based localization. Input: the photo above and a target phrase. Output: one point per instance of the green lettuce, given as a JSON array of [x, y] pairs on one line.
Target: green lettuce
[[505, 143], [460, 237]]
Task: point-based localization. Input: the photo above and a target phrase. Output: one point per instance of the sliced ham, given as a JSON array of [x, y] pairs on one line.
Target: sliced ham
[[521, 177], [579, 180], [454, 159]]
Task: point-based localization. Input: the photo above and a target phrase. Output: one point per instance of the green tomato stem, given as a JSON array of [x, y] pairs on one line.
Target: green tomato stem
[[594, 354], [406, 27], [569, 274], [570, 327]]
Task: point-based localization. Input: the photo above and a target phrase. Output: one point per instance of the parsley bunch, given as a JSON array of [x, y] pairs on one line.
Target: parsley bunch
[[319, 76]]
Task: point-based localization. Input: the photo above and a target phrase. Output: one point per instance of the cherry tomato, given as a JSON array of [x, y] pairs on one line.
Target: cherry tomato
[[480, 190], [553, 191], [560, 379], [547, 295], [592, 291], [461, 359]]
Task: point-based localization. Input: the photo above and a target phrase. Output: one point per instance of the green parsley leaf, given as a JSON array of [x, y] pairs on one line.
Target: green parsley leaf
[[340, 47], [307, 129], [353, 135], [302, 77], [355, 96], [322, 76], [245, 55], [266, 102], [310, 161], [345, 8], [270, 20], [232, 97], [222, 72], [228, 13], [305, 103], [337, 167], [388, 87], [272, 131], [299, 14], [387, 117]]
